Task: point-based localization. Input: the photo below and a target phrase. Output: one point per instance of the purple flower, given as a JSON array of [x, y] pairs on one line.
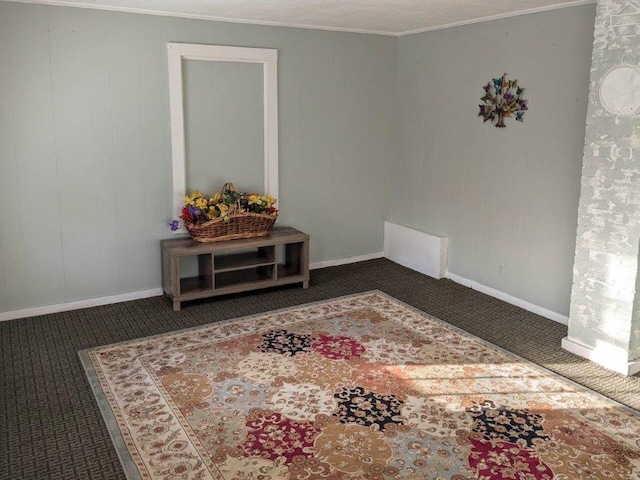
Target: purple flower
[[175, 225]]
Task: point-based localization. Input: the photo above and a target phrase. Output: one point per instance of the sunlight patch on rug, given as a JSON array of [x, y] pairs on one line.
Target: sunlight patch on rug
[[358, 387]]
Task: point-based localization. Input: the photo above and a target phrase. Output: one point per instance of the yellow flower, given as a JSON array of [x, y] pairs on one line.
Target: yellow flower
[[223, 207], [201, 203], [192, 197], [216, 197], [255, 199]]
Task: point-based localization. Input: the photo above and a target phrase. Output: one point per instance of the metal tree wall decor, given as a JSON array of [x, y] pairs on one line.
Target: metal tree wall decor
[[502, 99]]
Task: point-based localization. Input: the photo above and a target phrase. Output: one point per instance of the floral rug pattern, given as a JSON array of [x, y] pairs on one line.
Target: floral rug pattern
[[359, 387]]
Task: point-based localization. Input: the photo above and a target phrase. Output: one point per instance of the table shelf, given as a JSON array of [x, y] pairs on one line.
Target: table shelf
[[240, 261], [279, 258]]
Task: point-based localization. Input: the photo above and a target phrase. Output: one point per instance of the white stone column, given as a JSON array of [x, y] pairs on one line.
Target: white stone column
[[604, 317]]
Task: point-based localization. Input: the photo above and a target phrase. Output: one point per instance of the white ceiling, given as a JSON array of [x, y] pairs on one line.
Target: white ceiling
[[387, 17]]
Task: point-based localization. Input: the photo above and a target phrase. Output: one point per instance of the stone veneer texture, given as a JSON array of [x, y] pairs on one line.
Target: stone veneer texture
[[605, 303]]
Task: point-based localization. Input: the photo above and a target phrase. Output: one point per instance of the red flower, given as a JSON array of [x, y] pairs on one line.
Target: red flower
[[187, 216]]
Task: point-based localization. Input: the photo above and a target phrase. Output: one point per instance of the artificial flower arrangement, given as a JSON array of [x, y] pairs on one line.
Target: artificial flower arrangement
[[228, 214], [199, 209]]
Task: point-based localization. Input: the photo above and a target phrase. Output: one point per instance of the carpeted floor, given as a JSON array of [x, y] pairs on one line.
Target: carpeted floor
[[50, 424]]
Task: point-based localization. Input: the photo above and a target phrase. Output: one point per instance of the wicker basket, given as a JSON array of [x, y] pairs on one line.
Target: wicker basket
[[239, 225]]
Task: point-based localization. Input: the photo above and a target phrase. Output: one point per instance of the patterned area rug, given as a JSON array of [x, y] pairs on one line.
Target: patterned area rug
[[358, 387]]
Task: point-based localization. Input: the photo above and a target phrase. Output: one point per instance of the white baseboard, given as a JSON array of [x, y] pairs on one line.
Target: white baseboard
[[346, 260], [124, 297], [155, 292], [91, 302], [606, 355], [530, 307]]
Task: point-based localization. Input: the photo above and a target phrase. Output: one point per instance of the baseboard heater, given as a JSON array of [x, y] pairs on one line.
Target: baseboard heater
[[421, 251]]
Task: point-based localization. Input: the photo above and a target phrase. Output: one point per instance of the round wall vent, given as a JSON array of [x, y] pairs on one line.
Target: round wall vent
[[620, 90]]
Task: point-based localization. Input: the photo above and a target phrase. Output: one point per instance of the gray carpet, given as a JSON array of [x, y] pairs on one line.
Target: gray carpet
[[50, 425]]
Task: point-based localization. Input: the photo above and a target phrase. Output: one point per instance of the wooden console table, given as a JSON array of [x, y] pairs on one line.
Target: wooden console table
[[280, 258]]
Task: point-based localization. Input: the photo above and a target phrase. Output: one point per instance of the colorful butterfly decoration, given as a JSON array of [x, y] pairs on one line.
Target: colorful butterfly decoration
[[502, 99]]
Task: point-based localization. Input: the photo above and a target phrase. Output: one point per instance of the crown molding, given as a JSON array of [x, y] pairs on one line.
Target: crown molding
[[164, 13]]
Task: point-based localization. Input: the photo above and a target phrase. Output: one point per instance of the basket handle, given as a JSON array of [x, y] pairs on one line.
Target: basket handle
[[228, 187], [231, 188]]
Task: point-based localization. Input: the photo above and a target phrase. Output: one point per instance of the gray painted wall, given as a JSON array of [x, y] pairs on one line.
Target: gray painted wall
[[85, 166], [503, 196], [223, 117]]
